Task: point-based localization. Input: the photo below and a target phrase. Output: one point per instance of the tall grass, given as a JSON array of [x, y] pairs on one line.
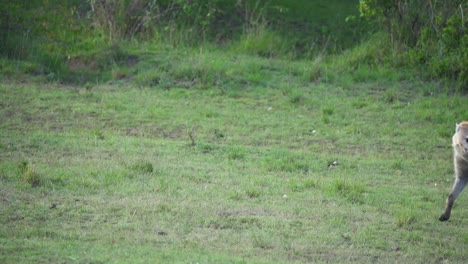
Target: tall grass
[[65, 49]]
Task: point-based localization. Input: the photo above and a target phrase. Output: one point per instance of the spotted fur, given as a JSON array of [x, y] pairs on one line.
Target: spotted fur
[[460, 162]]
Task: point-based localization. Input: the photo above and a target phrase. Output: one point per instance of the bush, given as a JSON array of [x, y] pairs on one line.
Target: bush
[[123, 19], [428, 33]]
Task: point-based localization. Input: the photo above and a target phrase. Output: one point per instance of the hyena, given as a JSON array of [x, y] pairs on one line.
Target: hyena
[[460, 160]]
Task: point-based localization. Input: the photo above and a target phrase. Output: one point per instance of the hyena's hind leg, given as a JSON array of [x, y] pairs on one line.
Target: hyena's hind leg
[[456, 190]]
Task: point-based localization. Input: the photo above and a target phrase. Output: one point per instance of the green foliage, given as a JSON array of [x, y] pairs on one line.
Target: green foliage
[[98, 65], [444, 48], [315, 27], [43, 32], [430, 33], [123, 19], [75, 41], [57, 37], [374, 53], [262, 42], [201, 20]]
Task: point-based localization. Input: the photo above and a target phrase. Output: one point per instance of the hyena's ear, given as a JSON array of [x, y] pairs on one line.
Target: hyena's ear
[[457, 127]]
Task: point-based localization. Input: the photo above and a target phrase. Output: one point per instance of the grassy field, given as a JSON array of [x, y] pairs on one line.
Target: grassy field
[[206, 157]]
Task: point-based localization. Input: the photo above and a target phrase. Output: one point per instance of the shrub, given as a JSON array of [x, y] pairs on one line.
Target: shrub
[[428, 33]]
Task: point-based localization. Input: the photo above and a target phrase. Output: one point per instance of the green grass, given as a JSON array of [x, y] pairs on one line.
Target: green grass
[[229, 159]]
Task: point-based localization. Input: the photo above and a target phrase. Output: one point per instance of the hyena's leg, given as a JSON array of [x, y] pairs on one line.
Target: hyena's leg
[[456, 190]]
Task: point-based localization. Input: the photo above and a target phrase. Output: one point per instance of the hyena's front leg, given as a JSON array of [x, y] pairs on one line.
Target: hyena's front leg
[[456, 190]]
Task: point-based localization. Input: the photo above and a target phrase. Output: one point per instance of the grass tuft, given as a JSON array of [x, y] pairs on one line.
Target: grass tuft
[[286, 162], [142, 167], [29, 174], [236, 153], [253, 193], [302, 185], [354, 192], [405, 219]]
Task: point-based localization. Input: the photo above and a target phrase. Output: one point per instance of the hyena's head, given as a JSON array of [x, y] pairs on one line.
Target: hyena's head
[[460, 139]]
